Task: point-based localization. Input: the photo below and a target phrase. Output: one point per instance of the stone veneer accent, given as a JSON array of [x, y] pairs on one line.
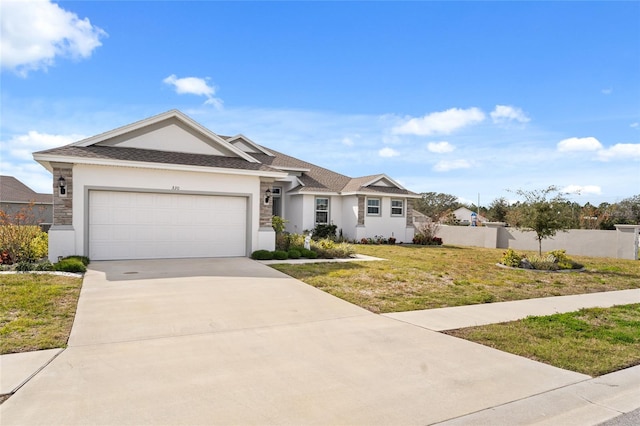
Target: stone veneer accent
[[409, 212], [361, 209], [63, 204], [266, 210]]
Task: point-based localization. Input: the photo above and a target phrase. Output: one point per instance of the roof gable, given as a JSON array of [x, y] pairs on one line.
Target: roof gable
[[246, 145], [171, 131]]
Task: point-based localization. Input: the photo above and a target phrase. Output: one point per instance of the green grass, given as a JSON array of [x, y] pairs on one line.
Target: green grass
[[591, 341], [36, 311], [424, 277]]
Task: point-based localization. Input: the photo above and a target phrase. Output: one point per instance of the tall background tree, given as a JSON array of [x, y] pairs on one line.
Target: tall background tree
[[436, 205]]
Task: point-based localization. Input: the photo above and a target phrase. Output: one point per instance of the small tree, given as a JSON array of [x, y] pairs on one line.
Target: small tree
[[543, 212]]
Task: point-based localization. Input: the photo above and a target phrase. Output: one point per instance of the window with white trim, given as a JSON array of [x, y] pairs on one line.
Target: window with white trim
[[397, 207], [373, 206], [322, 211]]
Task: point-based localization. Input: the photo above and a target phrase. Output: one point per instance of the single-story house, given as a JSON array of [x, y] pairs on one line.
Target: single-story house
[[464, 215], [167, 187], [16, 197]]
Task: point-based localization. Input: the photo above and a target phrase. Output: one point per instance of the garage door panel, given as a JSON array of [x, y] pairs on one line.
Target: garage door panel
[[125, 225]]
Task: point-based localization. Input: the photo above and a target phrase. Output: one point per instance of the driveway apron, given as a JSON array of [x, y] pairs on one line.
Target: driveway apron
[[232, 341]]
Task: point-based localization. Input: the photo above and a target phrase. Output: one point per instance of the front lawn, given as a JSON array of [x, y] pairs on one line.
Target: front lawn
[[425, 277], [592, 341], [36, 311]]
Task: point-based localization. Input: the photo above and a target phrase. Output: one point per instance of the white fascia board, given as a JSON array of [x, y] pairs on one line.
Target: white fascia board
[[315, 193], [381, 194], [45, 160], [252, 143], [174, 113]]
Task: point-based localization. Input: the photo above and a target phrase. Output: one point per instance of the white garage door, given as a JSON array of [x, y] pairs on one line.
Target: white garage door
[[135, 225]]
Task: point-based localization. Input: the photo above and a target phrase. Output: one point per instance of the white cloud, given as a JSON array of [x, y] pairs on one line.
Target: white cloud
[[440, 147], [579, 144], [194, 86], [22, 146], [34, 33], [443, 122], [625, 151], [634, 125], [347, 141], [445, 166], [582, 189], [506, 113], [388, 152], [607, 91]]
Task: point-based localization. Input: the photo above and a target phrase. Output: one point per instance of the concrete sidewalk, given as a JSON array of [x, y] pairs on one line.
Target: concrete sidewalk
[[491, 313], [236, 342]]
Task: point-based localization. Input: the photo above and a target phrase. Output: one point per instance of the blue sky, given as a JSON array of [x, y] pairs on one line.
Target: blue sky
[[465, 98]]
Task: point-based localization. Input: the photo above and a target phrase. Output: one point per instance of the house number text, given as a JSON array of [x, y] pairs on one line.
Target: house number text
[[175, 188]]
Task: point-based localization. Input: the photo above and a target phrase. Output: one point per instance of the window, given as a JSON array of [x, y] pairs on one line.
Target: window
[[373, 206], [322, 211], [276, 194], [397, 207]]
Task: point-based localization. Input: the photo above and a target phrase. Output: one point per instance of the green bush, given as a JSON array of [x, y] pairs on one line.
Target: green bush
[[84, 259], [564, 261], [39, 246], [43, 266], [511, 258], [262, 255], [308, 254], [294, 253], [70, 265], [280, 255], [24, 266], [325, 231]]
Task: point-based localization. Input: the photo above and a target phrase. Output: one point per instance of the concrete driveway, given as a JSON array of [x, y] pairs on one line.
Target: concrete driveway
[[231, 341]]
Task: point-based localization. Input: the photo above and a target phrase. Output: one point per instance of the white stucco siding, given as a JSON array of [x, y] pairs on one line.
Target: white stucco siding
[[168, 136], [349, 216], [385, 224], [293, 213], [151, 180]]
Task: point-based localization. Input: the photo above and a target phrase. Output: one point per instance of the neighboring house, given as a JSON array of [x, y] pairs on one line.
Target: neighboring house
[[463, 214], [16, 197], [167, 187]]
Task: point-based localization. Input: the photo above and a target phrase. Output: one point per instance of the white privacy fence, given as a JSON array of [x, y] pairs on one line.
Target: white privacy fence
[[621, 243]]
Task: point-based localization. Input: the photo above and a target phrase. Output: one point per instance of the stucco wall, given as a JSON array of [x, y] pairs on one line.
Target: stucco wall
[[621, 243], [349, 216]]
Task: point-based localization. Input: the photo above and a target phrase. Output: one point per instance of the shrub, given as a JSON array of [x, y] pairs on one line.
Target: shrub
[[70, 265], [511, 258], [426, 240], [325, 231], [329, 249], [84, 259], [294, 253], [262, 255], [39, 246], [543, 263], [308, 254], [24, 266], [278, 224], [564, 261], [43, 266], [280, 255]]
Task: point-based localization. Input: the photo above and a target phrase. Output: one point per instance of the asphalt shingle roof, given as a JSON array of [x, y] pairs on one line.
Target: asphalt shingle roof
[[153, 156], [12, 190]]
